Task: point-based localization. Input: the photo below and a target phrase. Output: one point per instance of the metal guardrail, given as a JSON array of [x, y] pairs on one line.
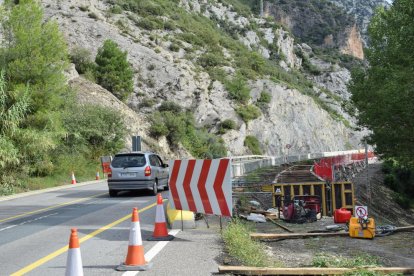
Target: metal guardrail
[[248, 163]]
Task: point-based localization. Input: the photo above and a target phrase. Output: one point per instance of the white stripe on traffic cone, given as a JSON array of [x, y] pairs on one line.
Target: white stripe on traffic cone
[[160, 228], [74, 259], [135, 259]]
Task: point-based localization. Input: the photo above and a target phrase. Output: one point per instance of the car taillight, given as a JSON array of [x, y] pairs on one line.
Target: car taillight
[[147, 171], [109, 175]]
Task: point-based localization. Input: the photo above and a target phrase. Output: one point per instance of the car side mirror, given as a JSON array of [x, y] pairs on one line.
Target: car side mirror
[[165, 165]]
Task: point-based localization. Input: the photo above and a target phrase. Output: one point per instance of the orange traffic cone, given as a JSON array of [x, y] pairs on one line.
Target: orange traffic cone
[[160, 228], [135, 260], [73, 178], [97, 175], [74, 260]]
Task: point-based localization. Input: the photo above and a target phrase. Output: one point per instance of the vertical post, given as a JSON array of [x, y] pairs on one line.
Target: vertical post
[[367, 168], [182, 221], [221, 226]]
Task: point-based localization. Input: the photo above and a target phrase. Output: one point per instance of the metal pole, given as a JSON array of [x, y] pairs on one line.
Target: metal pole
[[367, 168], [182, 221], [221, 226]]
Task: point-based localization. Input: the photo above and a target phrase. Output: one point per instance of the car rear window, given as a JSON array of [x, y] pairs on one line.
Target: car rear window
[[128, 160]]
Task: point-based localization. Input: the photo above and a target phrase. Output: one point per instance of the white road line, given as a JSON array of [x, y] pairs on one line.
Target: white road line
[[27, 221], [153, 252]]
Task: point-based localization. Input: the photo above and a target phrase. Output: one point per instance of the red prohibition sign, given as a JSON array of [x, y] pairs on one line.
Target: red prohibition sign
[[361, 212]]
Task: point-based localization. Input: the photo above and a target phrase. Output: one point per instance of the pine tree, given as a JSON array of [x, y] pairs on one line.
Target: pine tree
[[113, 71]]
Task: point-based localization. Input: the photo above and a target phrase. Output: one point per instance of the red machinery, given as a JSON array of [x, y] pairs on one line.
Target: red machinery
[[302, 209]]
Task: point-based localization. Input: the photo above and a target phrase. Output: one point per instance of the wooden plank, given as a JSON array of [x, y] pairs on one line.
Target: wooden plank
[[246, 270], [267, 236], [280, 225]]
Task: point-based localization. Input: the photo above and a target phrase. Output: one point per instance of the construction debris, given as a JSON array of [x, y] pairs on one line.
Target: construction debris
[[256, 217], [245, 270]]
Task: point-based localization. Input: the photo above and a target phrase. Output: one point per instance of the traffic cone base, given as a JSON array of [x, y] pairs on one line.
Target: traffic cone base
[[160, 228], [124, 267], [164, 238], [73, 178], [135, 260]]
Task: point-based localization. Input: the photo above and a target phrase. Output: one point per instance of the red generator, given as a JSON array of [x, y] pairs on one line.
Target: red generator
[[302, 209], [342, 215]]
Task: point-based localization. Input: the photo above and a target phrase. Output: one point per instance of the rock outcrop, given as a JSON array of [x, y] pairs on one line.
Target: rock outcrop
[[162, 74]]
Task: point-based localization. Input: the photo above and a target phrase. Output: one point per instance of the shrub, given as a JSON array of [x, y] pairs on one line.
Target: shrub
[[264, 100], [88, 128], [150, 23], [93, 15], [81, 57], [115, 9], [248, 112], [237, 89], [174, 47], [253, 145], [147, 102], [113, 71], [228, 124], [170, 106], [157, 128], [210, 60]]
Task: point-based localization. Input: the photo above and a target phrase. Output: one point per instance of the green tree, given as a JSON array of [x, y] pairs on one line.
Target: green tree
[[113, 71], [34, 53], [384, 92]]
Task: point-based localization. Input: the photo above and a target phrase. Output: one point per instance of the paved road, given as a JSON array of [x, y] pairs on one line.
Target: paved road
[[35, 229]]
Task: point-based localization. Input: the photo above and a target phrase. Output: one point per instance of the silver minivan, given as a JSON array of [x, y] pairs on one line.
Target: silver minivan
[[137, 171]]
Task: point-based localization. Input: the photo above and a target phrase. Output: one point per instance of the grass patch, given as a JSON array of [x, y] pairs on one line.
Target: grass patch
[[242, 247], [248, 112], [84, 170], [360, 261]]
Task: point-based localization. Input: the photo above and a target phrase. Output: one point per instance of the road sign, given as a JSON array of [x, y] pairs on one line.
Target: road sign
[[201, 186], [288, 146], [361, 211]]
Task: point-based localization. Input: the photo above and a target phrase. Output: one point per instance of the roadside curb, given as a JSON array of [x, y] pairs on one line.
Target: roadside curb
[[35, 192]]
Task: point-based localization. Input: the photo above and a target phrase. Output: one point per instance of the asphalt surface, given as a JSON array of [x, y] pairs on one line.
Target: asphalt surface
[[35, 229]]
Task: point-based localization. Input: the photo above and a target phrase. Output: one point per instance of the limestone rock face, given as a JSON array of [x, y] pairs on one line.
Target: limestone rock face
[[162, 74]]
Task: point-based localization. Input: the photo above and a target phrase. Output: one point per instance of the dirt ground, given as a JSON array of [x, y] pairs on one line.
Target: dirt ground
[[393, 250]]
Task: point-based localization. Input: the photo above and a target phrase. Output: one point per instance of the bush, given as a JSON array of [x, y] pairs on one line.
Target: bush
[[81, 57], [113, 71], [170, 106], [228, 124], [264, 100], [253, 145], [88, 128], [248, 112], [150, 23], [157, 128], [211, 60], [237, 89]]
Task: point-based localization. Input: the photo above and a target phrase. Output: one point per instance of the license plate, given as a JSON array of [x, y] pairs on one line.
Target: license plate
[[128, 174]]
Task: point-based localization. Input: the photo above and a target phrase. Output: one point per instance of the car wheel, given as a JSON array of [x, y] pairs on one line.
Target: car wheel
[[113, 193], [155, 187]]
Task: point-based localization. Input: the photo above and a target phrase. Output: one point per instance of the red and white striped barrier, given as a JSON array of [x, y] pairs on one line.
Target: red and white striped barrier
[[201, 186]]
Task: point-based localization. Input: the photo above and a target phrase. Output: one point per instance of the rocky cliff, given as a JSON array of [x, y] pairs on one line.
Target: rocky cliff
[[361, 11], [303, 114]]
